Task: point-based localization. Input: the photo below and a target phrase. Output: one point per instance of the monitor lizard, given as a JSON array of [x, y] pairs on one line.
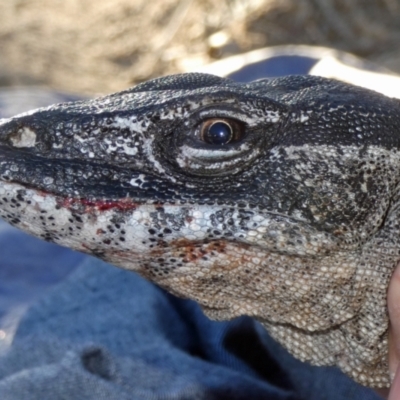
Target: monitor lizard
[[277, 199]]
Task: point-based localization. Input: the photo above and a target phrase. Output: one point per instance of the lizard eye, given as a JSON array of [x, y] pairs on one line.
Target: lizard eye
[[220, 131], [215, 142]]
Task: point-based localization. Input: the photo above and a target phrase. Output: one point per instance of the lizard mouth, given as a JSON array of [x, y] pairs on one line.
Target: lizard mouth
[[88, 224], [98, 205]]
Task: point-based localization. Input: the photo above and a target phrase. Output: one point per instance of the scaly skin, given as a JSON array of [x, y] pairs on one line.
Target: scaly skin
[[294, 219]]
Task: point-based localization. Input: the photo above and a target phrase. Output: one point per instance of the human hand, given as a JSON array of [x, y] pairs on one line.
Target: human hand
[[394, 334]]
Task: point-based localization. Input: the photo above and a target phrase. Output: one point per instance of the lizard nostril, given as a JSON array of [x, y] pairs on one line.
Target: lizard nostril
[[17, 134], [23, 137]]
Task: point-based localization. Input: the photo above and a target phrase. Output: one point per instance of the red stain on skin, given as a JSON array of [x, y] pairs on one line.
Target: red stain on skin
[[194, 250], [99, 205]]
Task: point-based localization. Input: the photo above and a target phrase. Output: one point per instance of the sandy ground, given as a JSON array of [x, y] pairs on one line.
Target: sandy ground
[[98, 47]]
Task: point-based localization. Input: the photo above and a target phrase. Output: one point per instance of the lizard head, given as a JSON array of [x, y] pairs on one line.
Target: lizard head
[[276, 199]]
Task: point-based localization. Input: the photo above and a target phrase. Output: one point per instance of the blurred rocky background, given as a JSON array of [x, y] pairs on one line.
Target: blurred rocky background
[[93, 47]]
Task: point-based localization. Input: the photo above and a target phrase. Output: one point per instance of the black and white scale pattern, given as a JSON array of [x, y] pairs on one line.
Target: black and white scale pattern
[[295, 221]]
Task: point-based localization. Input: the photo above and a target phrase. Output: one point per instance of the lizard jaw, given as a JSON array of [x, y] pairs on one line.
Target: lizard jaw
[[162, 241]]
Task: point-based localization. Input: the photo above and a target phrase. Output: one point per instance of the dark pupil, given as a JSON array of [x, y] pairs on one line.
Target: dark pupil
[[219, 133]]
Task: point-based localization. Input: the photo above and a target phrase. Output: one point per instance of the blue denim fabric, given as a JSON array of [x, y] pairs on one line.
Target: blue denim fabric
[[106, 333]]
